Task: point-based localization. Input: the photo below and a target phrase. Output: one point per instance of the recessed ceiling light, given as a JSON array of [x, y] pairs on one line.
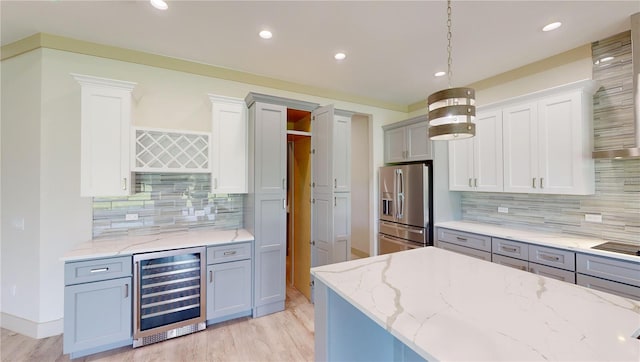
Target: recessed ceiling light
[[439, 74], [265, 34], [159, 4], [605, 59], [340, 56], [552, 26]]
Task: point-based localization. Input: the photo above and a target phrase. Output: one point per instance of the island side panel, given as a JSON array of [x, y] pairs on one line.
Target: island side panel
[[343, 333]]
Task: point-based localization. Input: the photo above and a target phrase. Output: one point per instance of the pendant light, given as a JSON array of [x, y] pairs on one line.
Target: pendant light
[[451, 111]]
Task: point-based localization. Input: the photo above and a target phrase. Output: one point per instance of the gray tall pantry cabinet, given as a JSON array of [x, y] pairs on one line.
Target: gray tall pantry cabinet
[[265, 212]]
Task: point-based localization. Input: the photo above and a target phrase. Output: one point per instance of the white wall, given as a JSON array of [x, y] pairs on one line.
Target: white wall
[[40, 162], [21, 162], [360, 177]]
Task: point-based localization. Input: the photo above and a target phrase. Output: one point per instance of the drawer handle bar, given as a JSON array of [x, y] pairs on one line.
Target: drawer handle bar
[[550, 258], [232, 252], [461, 238], [99, 270], [509, 249]]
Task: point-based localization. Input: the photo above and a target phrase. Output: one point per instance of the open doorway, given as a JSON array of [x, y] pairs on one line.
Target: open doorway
[[299, 200]]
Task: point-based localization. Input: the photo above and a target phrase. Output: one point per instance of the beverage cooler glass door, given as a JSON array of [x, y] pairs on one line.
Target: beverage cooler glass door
[[169, 290]]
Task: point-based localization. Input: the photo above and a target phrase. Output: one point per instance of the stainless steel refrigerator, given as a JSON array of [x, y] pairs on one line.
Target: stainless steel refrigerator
[[405, 207]]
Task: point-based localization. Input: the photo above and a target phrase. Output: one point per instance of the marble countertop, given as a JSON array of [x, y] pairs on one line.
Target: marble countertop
[[556, 240], [448, 306], [104, 248]]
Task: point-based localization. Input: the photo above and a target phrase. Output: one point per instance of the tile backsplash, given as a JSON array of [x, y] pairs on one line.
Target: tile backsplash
[[166, 202], [617, 196]]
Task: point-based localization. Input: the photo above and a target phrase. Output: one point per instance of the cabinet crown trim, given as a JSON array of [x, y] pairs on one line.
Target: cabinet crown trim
[[405, 122], [103, 82], [586, 86], [218, 98], [252, 98]]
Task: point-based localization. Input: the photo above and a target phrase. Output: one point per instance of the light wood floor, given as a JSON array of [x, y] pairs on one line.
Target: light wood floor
[[284, 336]]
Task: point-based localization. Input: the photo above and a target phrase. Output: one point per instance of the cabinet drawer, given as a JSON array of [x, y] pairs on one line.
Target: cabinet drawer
[[551, 272], [623, 290], [96, 269], [557, 258], [228, 252], [602, 267], [511, 262], [469, 240], [478, 254], [514, 249]]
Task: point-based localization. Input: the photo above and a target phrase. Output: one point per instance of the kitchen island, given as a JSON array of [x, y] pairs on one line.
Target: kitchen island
[[433, 304]]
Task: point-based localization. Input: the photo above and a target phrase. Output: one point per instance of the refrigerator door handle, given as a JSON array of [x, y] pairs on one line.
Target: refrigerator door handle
[[400, 195]]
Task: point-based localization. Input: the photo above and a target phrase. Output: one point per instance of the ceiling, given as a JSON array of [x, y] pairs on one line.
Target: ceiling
[[393, 47]]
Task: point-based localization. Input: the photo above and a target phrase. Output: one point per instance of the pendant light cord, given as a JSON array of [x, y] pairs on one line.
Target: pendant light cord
[[449, 73]]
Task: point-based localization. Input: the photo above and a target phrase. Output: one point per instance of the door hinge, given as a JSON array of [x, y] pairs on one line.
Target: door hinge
[[313, 118], [313, 201], [313, 184], [312, 283], [313, 151], [313, 242]]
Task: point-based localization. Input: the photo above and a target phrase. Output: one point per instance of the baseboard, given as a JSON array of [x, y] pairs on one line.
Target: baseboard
[[30, 328], [359, 253]]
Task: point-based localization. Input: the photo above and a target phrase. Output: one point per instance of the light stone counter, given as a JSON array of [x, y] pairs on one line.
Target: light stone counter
[[556, 240], [446, 306], [104, 248]]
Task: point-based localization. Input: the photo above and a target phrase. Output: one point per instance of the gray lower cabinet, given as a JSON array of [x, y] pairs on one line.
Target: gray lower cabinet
[[551, 272], [229, 282], [610, 275], [98, 306], [473, 245], [511, 262]]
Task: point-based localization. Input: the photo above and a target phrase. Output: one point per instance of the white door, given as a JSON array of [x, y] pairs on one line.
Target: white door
[[228, 146], [394, 145], [520, 136], [341, 153], [559, 134], [322, 149], [487, 152], [461, 165]]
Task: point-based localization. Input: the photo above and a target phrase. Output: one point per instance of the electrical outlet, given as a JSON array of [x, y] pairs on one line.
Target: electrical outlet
[[593, 218], [503, 210], [131, 217]]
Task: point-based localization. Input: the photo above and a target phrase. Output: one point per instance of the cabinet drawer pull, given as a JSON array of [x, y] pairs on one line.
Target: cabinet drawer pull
[[550, 258], [509, 249], [99, 270], [461, 238], [533, 182], [231, 252]]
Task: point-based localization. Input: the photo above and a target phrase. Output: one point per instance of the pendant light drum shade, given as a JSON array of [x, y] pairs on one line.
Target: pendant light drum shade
[[451, 114]]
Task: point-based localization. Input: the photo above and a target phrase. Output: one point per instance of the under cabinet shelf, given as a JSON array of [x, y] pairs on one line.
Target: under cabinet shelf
[[171, 151]]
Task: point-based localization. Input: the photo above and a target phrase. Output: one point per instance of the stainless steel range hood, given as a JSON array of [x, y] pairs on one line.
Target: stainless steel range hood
[[632, 152]]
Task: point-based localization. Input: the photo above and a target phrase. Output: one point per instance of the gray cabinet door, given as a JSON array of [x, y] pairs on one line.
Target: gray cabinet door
[[270, 148], [228, 288], [97, 314]]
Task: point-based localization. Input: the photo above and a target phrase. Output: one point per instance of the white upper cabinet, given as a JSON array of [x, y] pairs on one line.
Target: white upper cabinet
[[407, 141], [548, 144], [475, 164], [229, 145], [105, 130]]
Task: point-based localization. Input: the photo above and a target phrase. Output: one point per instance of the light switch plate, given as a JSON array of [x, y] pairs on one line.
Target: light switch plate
[[593, 218], [503, 210]]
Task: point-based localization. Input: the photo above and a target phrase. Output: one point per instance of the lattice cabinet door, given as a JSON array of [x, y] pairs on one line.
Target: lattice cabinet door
[[171, 151]]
